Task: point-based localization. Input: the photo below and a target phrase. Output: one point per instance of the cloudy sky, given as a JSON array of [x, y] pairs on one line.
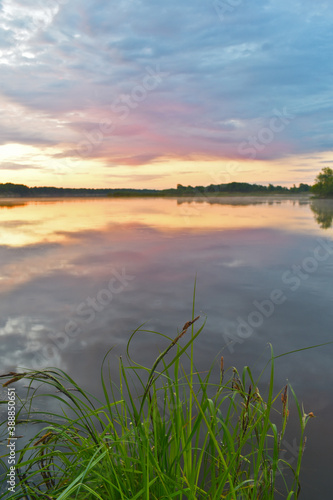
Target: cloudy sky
[[144, 93]]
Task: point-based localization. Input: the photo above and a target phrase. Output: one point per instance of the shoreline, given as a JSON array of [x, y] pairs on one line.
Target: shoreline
[[202, 197]]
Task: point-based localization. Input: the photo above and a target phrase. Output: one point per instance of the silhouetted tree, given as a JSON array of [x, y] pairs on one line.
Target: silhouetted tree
[[324, 183]]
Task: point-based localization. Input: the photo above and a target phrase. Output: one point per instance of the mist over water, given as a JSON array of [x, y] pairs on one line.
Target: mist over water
[[79, 276]]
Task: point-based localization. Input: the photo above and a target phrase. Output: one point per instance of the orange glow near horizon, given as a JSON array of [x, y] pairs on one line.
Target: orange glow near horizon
[[45, 167], [33, 222]]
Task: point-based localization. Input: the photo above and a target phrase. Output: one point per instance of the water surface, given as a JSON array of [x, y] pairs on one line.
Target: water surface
[[77, 276]]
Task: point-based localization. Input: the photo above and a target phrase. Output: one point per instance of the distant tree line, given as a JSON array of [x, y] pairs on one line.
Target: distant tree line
[[22, 191], [240, 187]]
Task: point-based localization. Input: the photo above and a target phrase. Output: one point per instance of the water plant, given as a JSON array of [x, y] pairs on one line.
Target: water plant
[[173, 434]]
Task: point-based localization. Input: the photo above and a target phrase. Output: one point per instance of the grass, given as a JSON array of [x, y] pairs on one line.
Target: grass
[[179, 435]]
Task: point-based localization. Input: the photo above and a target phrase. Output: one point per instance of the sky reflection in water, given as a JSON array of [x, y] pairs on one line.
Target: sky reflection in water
[[58, 256]]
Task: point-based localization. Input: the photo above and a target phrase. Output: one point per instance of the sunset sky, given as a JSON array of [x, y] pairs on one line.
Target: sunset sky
[[145, 93]]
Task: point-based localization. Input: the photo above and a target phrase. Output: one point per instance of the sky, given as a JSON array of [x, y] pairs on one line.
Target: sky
[[144, 93]]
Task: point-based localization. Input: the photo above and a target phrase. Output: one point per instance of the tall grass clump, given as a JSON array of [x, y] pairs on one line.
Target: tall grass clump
[[160, 433]]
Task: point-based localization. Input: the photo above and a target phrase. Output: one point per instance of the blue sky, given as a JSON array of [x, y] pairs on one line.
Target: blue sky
[[147, 93]]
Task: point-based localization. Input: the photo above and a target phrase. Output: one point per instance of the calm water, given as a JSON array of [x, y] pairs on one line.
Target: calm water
[[78, 276]]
